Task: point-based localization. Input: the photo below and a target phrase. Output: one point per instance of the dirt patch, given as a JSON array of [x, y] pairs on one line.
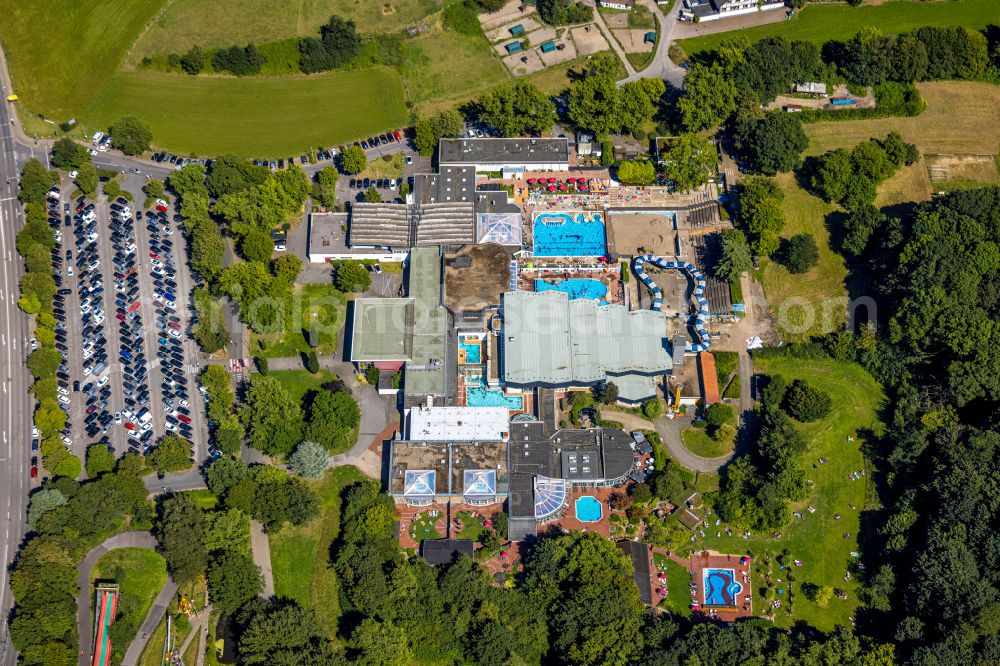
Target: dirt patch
[[653, 231], [510, 12], [524, 63], [633, 41], [559, 55], [614, 20], [588, 40], [503, 32], [475, 276], [949, 168]]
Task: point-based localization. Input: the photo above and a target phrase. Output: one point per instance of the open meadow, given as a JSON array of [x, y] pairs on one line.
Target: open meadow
[[300, 556], [821, 541], [820, 23], [953, 124]]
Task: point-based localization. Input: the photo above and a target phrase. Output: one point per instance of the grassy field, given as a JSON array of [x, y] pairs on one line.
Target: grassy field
[[300, 555], [818, 539], [819, 23], [678, 599], [253, 117], [209, 23], [320, 303], [300, 382], [698, 442], [61, 52], [140, 574], [957, 113]]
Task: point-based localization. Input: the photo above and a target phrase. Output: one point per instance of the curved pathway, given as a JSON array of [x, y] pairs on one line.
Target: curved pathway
[[84, 614], [670, 432], [661, 66]]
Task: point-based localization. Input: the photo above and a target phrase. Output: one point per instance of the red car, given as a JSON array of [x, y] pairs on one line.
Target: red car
[[129, 426], [120, 316], [34, 472], [396, 134], [153, 255], [133, 307], [91, 409], [184, 418], [162, 209], [174, 325]]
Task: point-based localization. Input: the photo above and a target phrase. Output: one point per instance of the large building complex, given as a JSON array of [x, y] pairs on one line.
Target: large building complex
[[552, 341], [510, 155]]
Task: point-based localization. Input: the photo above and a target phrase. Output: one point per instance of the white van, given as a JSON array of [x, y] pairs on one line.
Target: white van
[[97, 137]]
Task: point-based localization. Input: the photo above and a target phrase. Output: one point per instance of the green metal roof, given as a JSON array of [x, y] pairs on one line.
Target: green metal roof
[[513, 47], [548, 46], [517, 30]]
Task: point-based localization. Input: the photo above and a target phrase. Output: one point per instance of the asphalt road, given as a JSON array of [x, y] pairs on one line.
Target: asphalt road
[[15, 405]]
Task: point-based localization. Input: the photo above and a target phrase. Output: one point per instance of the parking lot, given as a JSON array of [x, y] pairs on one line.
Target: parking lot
[[122, 315]]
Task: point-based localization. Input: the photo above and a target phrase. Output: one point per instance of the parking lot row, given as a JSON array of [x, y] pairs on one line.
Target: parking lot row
[[105, 377]]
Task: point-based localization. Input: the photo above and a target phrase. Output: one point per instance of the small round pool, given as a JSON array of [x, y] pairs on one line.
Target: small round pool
[[588, 509]]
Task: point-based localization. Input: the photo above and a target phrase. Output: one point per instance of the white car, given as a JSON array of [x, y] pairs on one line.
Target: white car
[[146, 426], [92, 151], [167, 230], [34, 432], [103, 381], [183, 403], [69, 271], [280, 247], [161, 202], [34, 344], [103, 148], [64, 400], [127, 413], [66, 440], [99, 318], [73, 174], [174, 333], [63, 390], [118, 418], [134, 433]]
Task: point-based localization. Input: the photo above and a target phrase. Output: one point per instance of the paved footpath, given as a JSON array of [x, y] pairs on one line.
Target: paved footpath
[[262, 556], [84, 614]]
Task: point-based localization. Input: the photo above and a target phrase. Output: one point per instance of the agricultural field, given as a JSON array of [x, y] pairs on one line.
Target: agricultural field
[[254, 117], [821, 541], [951, 127], [209, 23], [820, 23], [300, 555]]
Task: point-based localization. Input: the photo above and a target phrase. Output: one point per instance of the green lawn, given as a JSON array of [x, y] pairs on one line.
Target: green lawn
[[300, 555], [319, 303], [300, 382], [140, 573], [253, 117], [472, 526], [678, 599], [820, 23], [700, 443], [818, 539], [422, 527], [203, 498]]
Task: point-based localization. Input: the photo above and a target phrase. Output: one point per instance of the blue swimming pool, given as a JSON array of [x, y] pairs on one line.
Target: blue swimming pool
[[480, 396], [720, 587], [473, 350], [588, 509], [569, 235], [575, 287]]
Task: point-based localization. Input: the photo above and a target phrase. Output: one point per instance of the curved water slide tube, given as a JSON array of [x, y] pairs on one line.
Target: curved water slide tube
[[700, 317]]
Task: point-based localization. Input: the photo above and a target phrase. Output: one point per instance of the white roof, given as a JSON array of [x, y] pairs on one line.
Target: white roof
[[459, 424]]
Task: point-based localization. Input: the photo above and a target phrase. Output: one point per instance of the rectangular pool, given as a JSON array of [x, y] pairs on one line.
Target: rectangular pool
[[480, 396], [473, 351], [575, 287], [569, 235]]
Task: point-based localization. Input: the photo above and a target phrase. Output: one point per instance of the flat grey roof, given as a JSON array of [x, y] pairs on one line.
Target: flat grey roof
[[550, 340], [326, 233], [502, 151], [382, 329], [425, 372]]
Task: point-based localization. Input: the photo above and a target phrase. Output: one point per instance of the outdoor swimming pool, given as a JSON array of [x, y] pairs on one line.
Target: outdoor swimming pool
[[588, 509], [569, 235], [720, 586], [480, 396], [575, 287], [473, 350]]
